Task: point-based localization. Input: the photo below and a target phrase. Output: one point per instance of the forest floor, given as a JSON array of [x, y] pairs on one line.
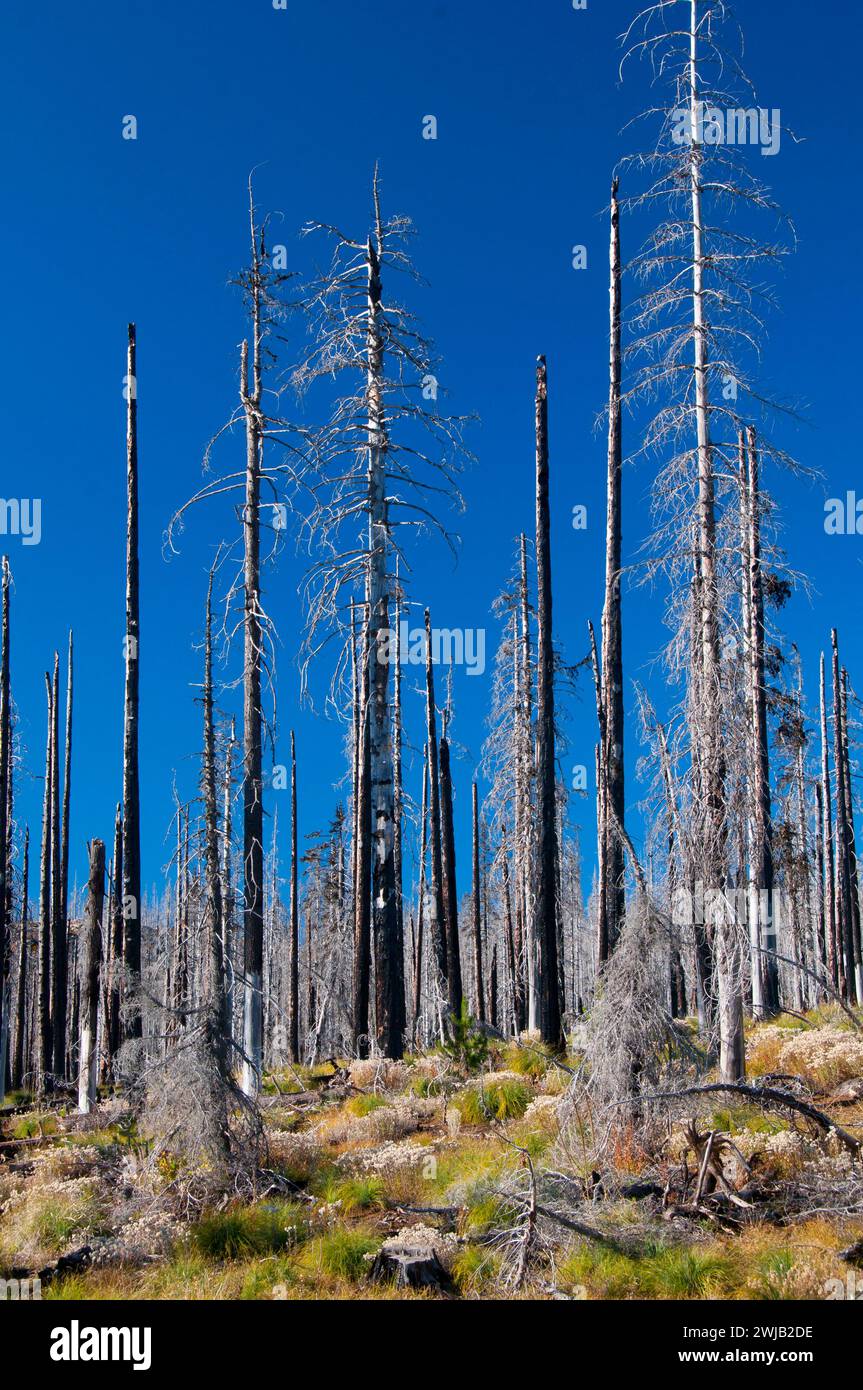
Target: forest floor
[[483, 1186]]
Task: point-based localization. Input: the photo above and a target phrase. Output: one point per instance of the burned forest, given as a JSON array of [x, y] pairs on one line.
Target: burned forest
[[451, 890]]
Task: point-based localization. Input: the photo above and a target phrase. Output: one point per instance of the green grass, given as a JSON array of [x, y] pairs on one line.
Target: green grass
[[242, 1232], [363, 1193], [341, 1253], [364, 1105], [500, 1100]]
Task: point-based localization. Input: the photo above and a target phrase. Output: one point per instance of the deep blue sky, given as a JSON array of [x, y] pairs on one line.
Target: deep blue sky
[[99, 230]]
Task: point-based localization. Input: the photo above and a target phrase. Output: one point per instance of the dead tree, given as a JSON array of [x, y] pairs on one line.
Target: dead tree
[[5, 767], [478, 983], [545, 904], [215, 1017], [830, 916], [765, 974], [89, 960], [362, 886], [67, 791], [19, 1054], [371, 482], [844, 917], [131, 899], [437, 910], [294, 999], [58, 927], [856, 961], [612, 899], [448, 879], [45, 1056], [696, 338]]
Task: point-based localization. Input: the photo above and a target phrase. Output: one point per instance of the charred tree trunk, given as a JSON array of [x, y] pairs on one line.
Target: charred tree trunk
[[214, 964], [437, 911], [844, 928], [612, 631], [115, 994], [856, 961], [550, 1021], [294, 1003], [421, 894], [131, 789], [89, 960], [19, 1055], [448, 880], [525, 827], [761, 849], [362, 892], [830, 916], [388, 944], [58, 927], [67, 789], [45, 1061], [253, 811], [477, 916], [5, 769]]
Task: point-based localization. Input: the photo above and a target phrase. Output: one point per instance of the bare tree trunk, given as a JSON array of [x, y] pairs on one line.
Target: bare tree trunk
[[294, 1005], [830, 916], [855, 960], [477, 916], [5, 771], [448, 881], [131, 789], [550, 1022], [214, 964], [761, 850], [90, 956], [67, 790], [421, 893], [18, 1058], [613, 901], [512, 956], [844, 930], [46, 1037], [253, 811], [362, 891], [388, 945], [708, 732], [524, 829], [437, 912], [228, 882], [58, 927]]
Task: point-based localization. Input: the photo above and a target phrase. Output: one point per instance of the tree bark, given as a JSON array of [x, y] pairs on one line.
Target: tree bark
[[90, 956], [479, 990], [613, 900], [18, 1058], [550, 1021], [46, 1037], [448, 881], [131, 787], [294, 1005]]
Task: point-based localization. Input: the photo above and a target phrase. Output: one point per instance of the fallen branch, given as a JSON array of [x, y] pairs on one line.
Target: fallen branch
[[763, 1095]]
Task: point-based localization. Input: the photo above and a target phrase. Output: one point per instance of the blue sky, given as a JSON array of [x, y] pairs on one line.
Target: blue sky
[[100, 230]]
